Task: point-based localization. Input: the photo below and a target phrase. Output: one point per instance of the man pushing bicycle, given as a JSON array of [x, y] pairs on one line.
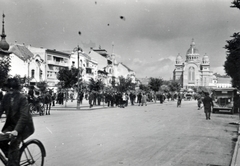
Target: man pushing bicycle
[[18, 122]]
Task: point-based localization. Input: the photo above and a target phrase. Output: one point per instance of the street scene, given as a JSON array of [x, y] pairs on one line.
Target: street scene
[[123, 82], [154, 135]]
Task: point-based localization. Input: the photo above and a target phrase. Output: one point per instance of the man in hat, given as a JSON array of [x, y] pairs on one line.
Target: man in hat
[[18, 123], [208, 104]]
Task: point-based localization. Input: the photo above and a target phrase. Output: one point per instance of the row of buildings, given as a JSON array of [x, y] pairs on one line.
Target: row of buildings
[[42, 64]]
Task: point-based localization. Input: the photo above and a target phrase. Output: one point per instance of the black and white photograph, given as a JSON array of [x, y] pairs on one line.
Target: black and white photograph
[[119, 82]]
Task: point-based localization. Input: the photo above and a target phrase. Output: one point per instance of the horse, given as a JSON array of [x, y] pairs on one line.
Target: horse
[[47, 102]]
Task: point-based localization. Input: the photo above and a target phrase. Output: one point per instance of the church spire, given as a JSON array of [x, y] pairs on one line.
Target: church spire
[[3, 44]]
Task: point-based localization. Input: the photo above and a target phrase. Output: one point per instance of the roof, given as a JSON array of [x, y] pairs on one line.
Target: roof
[[126, 67], [22, 52], [58, 52], [224, 89], [224, 80]]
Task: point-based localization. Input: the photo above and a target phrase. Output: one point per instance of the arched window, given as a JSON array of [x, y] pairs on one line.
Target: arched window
[[32, 73], [191, 74]]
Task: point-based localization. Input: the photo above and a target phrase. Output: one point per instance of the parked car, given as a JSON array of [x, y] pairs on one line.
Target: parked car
[[223, 99]]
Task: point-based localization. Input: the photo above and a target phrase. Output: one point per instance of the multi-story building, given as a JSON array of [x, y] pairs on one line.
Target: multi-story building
[[88, 66], [108, 67], [54, 61]]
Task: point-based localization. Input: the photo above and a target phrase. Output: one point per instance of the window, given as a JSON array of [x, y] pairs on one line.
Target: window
[[49, 57], [88, 70], [191, 74], [32, 73]]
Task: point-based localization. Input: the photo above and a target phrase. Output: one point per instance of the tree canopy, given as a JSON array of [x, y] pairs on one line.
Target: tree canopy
[[155, 83], [125, 84], [68, 76], [232, 63], [95, 85]]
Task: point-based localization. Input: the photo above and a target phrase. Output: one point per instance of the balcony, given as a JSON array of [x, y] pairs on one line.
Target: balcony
[[57, 63]]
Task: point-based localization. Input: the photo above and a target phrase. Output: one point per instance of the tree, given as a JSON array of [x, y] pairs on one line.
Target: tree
[[68, 76], [125, 84], [95, 85], [4, 69], [174, 86], [164, 88], [232, 63], [236, 4], [155, 83], [144, 87]]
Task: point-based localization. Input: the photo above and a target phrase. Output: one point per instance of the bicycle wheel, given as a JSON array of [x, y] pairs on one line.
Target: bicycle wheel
[[32, 153]]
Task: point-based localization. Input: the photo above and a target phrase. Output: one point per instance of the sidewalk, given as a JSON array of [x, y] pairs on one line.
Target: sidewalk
[[85, 105], [73, 106], [236, 155]]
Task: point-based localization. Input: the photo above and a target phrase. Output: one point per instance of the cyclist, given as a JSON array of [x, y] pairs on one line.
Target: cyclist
[[18, 122], [33, 97]]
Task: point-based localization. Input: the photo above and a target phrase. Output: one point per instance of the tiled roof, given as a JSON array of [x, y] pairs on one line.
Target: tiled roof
[[22, 52], [224, 80], [126, 67]]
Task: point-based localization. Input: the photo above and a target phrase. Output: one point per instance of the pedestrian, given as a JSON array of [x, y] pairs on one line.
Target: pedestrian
[[179, 100], [144, 99], [208, 104], [124, 99], [139, 99], [90, 99], [199, 100], [18, 122]]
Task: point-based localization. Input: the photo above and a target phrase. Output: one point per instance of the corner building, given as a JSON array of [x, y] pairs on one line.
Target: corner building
[[195, 71]]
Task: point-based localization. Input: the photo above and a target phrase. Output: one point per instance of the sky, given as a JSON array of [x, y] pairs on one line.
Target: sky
[[145, 35]]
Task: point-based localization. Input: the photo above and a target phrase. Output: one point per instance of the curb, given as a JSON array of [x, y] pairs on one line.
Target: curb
[[235, 153]]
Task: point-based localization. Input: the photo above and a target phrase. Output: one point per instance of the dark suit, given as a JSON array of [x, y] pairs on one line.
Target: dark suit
[[18, 118], [208, 104]]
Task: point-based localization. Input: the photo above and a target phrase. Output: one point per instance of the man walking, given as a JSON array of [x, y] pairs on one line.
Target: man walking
[[208, 104]]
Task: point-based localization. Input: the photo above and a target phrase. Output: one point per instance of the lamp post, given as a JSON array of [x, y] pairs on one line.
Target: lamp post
[[78, 49]]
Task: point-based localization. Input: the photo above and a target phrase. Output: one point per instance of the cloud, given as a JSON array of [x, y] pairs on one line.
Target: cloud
[[162, 68]]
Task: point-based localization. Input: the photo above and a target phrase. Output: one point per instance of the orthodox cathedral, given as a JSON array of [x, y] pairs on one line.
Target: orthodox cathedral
[[195, 71]]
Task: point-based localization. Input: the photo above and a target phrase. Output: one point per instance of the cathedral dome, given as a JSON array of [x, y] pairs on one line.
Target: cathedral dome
[[192, 49], [178, 59], [205, 59]]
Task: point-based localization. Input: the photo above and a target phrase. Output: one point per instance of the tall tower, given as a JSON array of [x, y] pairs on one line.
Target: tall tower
[[4, 46]]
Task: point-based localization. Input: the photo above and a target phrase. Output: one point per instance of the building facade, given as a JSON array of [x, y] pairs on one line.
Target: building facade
[[194, 71]]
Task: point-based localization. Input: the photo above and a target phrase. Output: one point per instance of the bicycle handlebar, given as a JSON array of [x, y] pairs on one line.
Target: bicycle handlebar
[[6, 136]]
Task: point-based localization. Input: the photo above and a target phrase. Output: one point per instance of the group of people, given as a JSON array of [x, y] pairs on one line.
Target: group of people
[[117, 99]]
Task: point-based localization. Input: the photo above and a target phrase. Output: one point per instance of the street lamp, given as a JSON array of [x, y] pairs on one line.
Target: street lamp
[[78, 49]]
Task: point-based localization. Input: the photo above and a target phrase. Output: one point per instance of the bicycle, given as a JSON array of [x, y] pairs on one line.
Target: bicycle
[[32, 152]]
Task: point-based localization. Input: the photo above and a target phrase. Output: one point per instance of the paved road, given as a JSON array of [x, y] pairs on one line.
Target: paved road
[[153, 135]]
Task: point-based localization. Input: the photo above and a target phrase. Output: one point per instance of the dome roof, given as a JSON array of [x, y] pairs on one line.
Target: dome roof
[[192, 49], [179, 58], [205, 59], [4, 45]]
